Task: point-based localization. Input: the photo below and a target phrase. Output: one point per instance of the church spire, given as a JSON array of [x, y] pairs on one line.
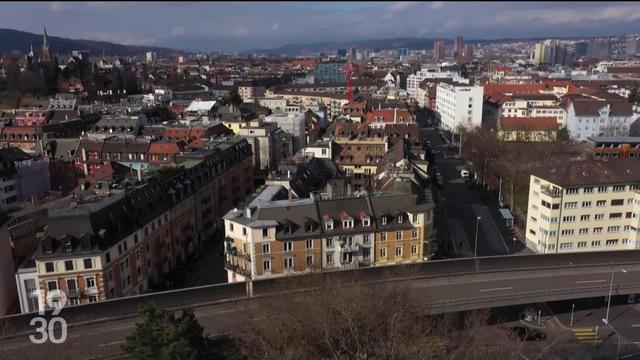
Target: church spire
[[44, 37]]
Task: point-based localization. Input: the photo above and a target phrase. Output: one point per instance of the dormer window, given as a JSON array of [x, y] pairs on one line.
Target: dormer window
[[329, 224], [347, 224], [366, 221], [308, 227], [400, 219], [67, 246], [384, 220]]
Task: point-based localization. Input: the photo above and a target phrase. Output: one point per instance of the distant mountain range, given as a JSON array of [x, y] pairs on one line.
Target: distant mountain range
[[375, 44], [12, 40]]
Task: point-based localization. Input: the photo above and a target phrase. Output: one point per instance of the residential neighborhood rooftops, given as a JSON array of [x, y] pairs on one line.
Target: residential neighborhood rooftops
[[591, 172]]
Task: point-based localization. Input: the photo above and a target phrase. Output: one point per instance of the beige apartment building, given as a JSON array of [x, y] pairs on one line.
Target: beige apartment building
[[591, 205], [277, 235]]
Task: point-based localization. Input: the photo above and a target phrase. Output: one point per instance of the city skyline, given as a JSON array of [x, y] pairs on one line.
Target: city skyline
[[234, 26]]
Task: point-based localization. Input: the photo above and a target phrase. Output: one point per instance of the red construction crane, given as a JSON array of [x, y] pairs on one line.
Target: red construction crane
[[348, 71]]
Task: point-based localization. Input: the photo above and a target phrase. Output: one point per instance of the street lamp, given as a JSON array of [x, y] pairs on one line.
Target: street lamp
[[606, 320], [617, 334], [475, 250]]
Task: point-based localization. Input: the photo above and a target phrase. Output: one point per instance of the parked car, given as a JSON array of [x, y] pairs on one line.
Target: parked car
[[464, 173]]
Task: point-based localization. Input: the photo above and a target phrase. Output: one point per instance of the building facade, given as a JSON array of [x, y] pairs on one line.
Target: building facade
[[459, 104], [277, 235], [589, 205]]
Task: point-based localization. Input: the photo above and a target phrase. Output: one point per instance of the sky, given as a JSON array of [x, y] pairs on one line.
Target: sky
[[235, 26]]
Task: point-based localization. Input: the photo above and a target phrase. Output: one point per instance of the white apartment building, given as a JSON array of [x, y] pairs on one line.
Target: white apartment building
[[293, 123], [459, 104], [588, 117], [590, 205], [430, 71], [534, 105]]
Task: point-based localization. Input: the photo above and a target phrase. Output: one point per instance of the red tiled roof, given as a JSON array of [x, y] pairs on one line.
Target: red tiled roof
[[25, 130], [528, 123], [344, 215], [388, 115], [166, 147], [623, 69]]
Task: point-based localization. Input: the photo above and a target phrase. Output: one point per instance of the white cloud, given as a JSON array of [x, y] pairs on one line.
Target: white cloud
[[437, 4], [59, 6], [275, 26], [178, 30]]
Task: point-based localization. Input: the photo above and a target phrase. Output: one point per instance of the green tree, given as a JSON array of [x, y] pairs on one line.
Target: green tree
[[234, 98], [160, 335]]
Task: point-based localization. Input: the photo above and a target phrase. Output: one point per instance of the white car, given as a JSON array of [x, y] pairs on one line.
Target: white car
[[464, 173]]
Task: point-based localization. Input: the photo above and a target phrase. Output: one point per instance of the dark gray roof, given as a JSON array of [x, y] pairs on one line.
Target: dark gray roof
[[340, 209], [591, 172], [301, 219]]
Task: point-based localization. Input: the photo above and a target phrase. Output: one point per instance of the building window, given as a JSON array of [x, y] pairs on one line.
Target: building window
[[347, 224], [398, 235], [384, 220], [572, 191], [309, 260], [400, 219], [587, 190], [244, 231], [265, 232], [602, 189], [93, 299], [366, 221], [585, 217], [288, 245], [595, 243], [266, 265], [569, 219], [329, 258], [309, 244], [414, 249], [52, 285], [567, 232], [383, 252], [611, 242], [71, 286], [288, 263], [597, 230], [68, 265], [617, 202], [583, 231], [398, 250], [383, 236], [266, 248], [415, 218], [619, 188], [582, 244], [49, 267], [613, 229], [615, 216], [601, 203], [330, 225], [566, 245], [230, 227], [586, 204], [414, 233], [571, 205], [329, 242], [90, 282], [599, 216]]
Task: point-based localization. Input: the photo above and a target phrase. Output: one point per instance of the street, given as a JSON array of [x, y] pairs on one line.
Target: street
[[458, 207]]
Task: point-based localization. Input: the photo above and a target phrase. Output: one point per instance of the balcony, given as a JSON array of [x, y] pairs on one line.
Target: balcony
[[350, 249], [551, 191], [90, 291], [237, 269]]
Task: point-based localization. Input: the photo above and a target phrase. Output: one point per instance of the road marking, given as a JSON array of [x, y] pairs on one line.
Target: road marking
[[497, 289], [112, 343], [589, 281]]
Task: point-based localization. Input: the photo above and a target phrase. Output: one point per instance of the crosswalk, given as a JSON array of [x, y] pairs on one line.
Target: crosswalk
[[586, 335]]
